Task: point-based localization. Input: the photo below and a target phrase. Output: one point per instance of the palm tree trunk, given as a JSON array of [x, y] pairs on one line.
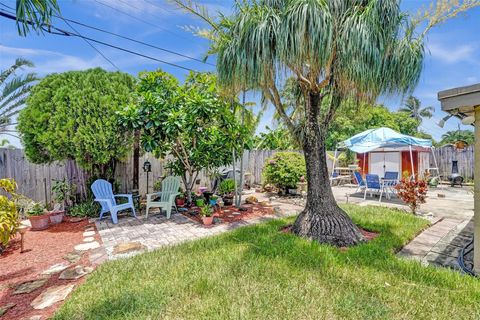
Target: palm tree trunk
[[322, 219]]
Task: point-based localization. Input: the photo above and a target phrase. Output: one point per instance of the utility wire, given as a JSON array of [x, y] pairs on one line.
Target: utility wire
[[91, 45], [158, 6], [125, 37], [138, 19], [54, 30]]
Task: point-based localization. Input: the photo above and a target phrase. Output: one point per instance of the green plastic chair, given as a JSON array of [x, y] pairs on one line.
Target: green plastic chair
[[166, 201]]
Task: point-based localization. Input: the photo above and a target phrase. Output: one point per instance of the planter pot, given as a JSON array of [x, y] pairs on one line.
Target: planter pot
[[292, 191], [213, 202], [199, 202], [180, 201], [207, 220], [40, 222], [56, 217], [228, 201]]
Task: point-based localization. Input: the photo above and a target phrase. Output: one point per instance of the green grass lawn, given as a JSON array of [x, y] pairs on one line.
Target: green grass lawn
[[259, 273]]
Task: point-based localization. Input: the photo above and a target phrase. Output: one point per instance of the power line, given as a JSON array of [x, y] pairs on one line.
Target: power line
[[91, 45], [138, 19], [156, 5], [126, 38], [54, 30]]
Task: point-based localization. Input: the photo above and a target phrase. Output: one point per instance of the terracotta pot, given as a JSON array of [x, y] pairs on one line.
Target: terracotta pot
[[207, 220], [179, 201], [56, 217], [40, 222]]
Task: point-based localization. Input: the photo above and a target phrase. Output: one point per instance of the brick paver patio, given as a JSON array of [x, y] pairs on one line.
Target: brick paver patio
[[157, 231]]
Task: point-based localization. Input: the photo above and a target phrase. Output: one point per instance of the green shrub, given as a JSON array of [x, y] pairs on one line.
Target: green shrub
[[284, 169], [9, 221], [227, 186], [88, 209]]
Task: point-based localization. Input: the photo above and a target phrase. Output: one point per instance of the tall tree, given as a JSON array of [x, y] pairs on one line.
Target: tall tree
[[191, 123], [458, 135], [14, 90], [336, 50], [413, 107], [73, 115]]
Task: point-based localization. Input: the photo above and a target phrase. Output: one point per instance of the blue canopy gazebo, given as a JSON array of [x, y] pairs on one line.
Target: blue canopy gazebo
[[385, 139]]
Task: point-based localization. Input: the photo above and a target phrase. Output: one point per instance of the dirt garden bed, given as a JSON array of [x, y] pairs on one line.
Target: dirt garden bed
[[48, 256], [231, 214]]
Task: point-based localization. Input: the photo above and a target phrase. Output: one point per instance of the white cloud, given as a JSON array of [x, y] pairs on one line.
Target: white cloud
[[472, 79], [451, 54]]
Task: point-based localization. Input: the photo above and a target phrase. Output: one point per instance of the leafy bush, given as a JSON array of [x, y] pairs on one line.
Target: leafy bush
[[284, 169], [412, 192], [227, 186], [8, 212], [88, 209]]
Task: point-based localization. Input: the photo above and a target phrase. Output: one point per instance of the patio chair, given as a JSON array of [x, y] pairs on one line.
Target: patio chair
[[390, 180], [103, 192], [360, 182], [372, 182], [166, 197]]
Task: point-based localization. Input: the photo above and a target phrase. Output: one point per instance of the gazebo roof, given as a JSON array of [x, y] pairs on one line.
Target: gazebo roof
[[372, 139]]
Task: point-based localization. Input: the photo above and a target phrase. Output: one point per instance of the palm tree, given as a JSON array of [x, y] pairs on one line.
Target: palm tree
[[35, 14], [413, 107], [335, 50], [14, 90]]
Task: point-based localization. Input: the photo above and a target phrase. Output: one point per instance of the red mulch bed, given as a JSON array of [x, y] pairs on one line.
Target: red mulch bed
[[42, 250], [226, 214], [369, 235]]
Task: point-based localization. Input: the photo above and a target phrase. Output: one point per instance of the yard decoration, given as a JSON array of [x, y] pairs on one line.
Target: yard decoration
[[73, 115], [335, 51], [9, 220], [413, 192], [191, 122]]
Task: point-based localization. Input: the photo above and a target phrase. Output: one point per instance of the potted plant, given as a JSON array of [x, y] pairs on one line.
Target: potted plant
[[207, 215], [226, 189], [213, 200], [39, 219], [199, 201], [180, 200]]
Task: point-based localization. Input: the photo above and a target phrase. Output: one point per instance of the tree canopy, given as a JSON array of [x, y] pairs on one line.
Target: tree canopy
[[458, 135], [73, 115], [191, 122]]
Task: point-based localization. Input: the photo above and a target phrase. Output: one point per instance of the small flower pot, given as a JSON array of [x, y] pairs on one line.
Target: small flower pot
[[40, 222], [199, 202], [213, 202], [228, 201], [207, 220], [180, 201], [56, 217]]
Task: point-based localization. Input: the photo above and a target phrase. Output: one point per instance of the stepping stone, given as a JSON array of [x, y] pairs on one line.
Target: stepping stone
[[73, 256], [6, 307], [87, 246], [29, 286], [230, 216], [88, 239], [236, 213], [56, 268], [51, 295], [75, 273], [127, 247], [89, 233], [87, 229], [37, 317]]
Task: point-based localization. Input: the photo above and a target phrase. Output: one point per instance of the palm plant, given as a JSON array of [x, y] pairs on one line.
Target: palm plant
[[335, 50], [14, 90], [35, 14], [413, 107]]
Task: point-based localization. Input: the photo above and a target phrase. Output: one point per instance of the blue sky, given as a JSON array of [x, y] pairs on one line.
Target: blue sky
[[453, 49]]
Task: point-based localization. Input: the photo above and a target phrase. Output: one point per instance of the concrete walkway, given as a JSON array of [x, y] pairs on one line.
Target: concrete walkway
[[440, 245]]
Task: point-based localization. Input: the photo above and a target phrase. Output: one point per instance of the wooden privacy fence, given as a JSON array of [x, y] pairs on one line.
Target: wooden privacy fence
[[36, 181], [465, 160]]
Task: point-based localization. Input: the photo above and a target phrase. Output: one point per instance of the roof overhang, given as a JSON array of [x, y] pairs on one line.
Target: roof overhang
[[460, 101]]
